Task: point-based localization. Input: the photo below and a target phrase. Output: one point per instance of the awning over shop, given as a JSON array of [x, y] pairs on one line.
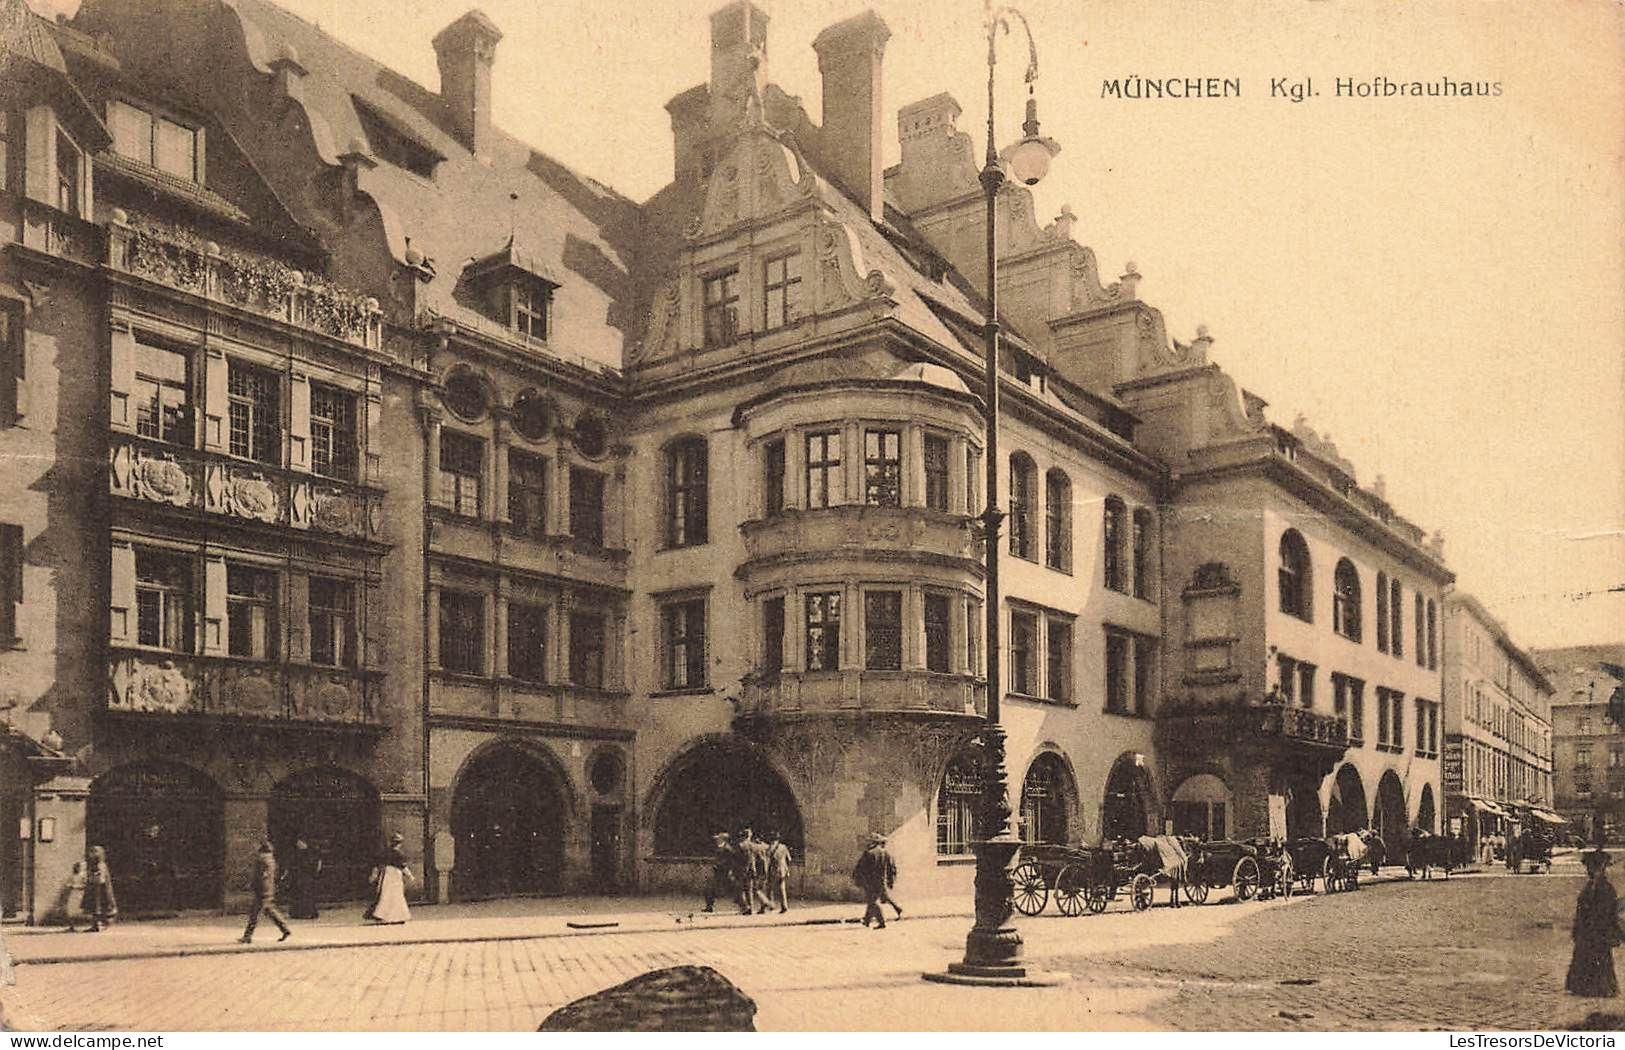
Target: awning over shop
[[1548, 816], [1487, 806]]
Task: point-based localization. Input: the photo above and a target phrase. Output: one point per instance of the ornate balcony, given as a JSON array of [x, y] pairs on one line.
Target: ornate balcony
[[855, 531], [916, 694], [211, 483], [1198, 727], [175, 257], [181, 686]]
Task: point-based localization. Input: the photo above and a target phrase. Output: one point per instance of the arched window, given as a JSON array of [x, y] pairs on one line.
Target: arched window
[[1114, 528], [1346, 601], [1023, 492], [1046, 801], [686, 492], [957, 805], [1382, 612], [1295, 576], [1058, 520], [1143, 575]]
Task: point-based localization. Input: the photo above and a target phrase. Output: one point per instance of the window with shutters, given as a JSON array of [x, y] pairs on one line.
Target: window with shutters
[[254, 410], [882, 468], [883, 630], [687, 493], [823, 630], [151, 139], [935, 448], [251, 625], [162, 394], [938, 632], [527, 492], [332, 621], [13, 370], [163, 601], [11, 582], [333, 435], [462, 632], [587, 506], [462, 470], [587, 649], [773, 477], [527, 642], [683, 644]]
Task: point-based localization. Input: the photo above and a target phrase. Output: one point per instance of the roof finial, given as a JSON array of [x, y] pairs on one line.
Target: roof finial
[[513, 216]]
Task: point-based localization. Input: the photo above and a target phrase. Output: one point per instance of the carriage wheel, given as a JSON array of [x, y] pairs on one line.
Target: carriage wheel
[[1245, 879], [1328, 878], [1196, 890], [1070, 891], [1141, 891], [1096, 894], [1284, 876], [1031, 892]]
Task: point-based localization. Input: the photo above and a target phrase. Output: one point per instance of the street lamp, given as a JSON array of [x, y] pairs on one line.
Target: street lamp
[[993, 946]]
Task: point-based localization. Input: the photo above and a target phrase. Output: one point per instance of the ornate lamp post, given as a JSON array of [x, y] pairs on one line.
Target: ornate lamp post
[[993, 946]]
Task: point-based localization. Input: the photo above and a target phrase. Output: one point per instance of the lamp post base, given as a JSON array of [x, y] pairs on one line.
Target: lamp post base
[[998, 976], [993, 946]]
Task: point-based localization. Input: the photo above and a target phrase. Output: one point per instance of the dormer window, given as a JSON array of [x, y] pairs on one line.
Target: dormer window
[[148, 138], [531, 304]]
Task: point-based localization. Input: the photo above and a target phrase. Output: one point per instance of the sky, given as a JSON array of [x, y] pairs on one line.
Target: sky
[[1436, 283]]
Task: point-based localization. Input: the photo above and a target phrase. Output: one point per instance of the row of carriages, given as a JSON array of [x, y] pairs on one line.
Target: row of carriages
[[1087, 878]]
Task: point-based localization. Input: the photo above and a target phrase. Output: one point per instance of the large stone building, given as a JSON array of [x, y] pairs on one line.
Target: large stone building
[[1498, 724], [443, 490], [1588, 736]]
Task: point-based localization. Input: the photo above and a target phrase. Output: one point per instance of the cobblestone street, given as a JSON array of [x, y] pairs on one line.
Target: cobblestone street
[[1476, 951]]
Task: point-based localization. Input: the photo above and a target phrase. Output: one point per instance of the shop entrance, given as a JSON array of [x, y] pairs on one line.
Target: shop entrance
[[508, 820]]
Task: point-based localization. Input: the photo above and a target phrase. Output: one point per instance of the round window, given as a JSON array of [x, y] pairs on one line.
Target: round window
[[606, 772], [465, 394], [591, 436], [532, 414]]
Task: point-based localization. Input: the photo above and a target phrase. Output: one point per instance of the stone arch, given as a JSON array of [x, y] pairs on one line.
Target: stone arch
[[720, 783], [1304, 819], [1049, 810], [1202, 806], [336, 812], [1388, 816], [1348, 809], [512, 806], [1427, 817], [1129, 804], [163, 825]]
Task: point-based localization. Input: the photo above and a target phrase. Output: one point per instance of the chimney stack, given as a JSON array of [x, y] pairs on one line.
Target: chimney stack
[[849, 56], [465, 51]]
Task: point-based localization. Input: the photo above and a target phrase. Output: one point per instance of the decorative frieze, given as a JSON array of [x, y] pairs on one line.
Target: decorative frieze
[[141, 682]]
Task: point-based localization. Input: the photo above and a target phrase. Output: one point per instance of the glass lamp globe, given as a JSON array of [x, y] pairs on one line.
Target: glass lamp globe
[[1028, 160]]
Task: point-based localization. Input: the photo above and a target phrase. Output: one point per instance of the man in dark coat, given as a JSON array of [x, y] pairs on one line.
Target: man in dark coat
[[1596, 931], [722, 869], [264, 886], [304, 868], [876, 874]]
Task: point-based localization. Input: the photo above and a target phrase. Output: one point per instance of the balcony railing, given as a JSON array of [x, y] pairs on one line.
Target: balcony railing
[[864, 692], [155, 472], [180, 685], [1212, 723], [858, 529], [179, 259]]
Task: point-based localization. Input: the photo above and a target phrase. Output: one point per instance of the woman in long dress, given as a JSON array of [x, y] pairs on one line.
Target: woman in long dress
[[1596, 931], [389, 895], [304, 870]]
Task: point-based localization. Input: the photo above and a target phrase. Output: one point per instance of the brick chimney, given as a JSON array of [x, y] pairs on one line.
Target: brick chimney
[[465, 51], [738, 60], [849, 56]]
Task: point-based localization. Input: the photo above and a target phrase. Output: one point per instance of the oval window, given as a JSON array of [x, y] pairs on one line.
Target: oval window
[[465, 394], [606, 772], [533, 414], [591, 436]]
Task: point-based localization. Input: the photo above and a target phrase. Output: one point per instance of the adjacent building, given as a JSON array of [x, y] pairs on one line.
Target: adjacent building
[[381, 474], [1588, 739], [1498, 725]]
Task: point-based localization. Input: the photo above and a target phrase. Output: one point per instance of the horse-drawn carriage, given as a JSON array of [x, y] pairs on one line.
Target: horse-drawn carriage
[[1085, 878], [1426, 852], [1537, 841], [1215, 865]]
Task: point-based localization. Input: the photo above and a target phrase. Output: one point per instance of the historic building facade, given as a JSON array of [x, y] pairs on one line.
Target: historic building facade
[[441, 490], [1498, 723], [1588, 740]]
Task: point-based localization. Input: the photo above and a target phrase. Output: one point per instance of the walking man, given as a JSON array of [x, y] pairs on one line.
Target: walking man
[[778, 870], [752, 885], [722, 867], [876, 874], [265, 895]]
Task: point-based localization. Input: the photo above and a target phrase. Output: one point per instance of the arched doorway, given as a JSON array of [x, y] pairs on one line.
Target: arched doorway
[[1388, 818], [1201, 807], [1303, 816], [1130, 801], [508, 818], [163, 826], [1425, 817], [719, 786], [336, 813], [1348, 810], [1048, 800]]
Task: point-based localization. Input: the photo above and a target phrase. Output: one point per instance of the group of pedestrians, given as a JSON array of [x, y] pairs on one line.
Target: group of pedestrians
[[387, 905], [753, 873]]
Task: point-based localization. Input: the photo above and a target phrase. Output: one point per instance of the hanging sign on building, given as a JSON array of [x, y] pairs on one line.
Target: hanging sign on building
[[1452, 766]]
